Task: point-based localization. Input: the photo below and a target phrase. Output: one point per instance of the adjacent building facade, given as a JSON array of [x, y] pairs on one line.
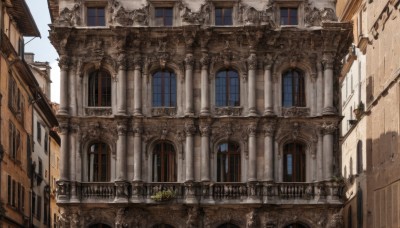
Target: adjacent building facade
[[370, 106], [199, 113]]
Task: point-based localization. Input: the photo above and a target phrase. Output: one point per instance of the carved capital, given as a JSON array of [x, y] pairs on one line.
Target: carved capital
[[189, 61], [252, 130], [122, 128], [205, 130], [327, 61], [269, 129], [252, 62], [190, 129], [328, 128], [64, 62], [63, 128], [205, 61]]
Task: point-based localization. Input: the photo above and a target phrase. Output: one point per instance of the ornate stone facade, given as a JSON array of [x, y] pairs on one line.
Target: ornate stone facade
[[258, 50]]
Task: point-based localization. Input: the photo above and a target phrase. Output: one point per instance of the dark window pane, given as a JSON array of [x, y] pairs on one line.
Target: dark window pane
[[223, 16], [164, 163], [228, 162], [164, 89], [227, 88], [99, 162]]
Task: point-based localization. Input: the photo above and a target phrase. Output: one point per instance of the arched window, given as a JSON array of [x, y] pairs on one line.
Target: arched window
[[99, 225], [162, 226], [227, 225], [294, 163], [293, 89], [164, 89], [99, 162], [228, 162], [295, 225], [227, 88], [99, 89], [164, 165], [359, 158]]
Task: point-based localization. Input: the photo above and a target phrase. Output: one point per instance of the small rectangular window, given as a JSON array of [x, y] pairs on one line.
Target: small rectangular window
[[9, 189], [223, 16], [96, 16], [14, 187], [46, 142], [38, 132], [289, 16], [164, 16], [39, 208], [40, 170], [33, 203]]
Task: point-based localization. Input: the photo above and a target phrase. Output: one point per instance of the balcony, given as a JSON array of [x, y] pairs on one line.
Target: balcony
[[205, 193]]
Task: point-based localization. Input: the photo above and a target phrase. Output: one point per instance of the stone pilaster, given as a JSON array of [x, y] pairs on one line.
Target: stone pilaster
[[269, 130], [189, 130], [328, 131], [205, 96], [252, 66], [121, 99], [137, 152], [64, 71], [189, 63], [328, 85], [268, 95], [205, 131], [137, 94], [252, 165], [121, 151]]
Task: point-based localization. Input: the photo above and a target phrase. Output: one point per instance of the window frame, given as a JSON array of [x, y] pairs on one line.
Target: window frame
[[173, 89], [223, 16], [97, 8], [101, 145], [299, 162], [289, 9], [231, 154], [95, 98], [298, 94], [165, 174], [228, 88], [164, 16]]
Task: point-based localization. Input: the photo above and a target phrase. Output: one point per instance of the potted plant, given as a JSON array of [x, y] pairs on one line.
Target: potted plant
[[164, 195], [359, 110]]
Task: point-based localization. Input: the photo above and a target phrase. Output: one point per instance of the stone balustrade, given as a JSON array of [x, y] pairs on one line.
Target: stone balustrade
[[208, 192]]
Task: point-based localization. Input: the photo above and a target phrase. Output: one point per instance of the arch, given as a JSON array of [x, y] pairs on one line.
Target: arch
[[98, 162], [99, 225], [228, 162], [293, 88], [227, 88], [228, 225], [164, 88], [170, 66], [243, 155], [164, 164], [294, 162], [359, 157]]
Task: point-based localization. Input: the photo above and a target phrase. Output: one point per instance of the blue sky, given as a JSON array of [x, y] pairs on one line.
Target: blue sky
[[42, 47]]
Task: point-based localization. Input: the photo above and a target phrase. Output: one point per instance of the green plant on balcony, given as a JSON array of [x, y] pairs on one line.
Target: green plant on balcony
[[164, 195], [359, 110]]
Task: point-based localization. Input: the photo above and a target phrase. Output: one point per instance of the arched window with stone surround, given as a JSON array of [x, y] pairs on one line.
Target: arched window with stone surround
[[228, 162], [293, 88], [227, 88], [99, 162], [294, 162], [164, 162], [228, 225], [164, 89], [99, 91]]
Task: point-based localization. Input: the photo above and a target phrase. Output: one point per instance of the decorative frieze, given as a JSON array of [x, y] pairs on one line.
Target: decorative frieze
[[228, 111], [121, 16], [163, 111], [295, 111], [98, 111]]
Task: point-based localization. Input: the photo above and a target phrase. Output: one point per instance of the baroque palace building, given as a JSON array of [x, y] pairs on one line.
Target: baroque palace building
[[218, 113]]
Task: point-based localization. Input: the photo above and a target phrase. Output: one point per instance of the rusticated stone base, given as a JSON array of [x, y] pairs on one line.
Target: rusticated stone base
[[183, 216]]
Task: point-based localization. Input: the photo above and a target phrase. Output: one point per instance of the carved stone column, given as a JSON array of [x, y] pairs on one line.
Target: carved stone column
[[189, 63], [268, 95], [269, 130], [73, 153], [320, 89], [72, 91], [205, 97], [137, 94], [64, 151], [252, 66], [121, 100], [137, 152], [121, 151], [328, 130], [252, 165], [320, 171], [205, 131], [189, 130], [328, 87], [64, 66]]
